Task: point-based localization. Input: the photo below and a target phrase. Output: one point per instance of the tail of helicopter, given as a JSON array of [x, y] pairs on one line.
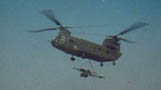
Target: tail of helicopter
[[112, 43]]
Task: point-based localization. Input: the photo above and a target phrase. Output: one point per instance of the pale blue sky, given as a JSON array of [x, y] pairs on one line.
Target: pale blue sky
[[29, 62]]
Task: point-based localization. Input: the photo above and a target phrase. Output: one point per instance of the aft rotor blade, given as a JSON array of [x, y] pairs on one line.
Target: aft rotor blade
[[110, 36], [43, 30], [128, 41], [133, 27], [49, 14]]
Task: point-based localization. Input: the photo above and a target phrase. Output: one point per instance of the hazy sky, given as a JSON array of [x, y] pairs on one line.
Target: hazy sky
[[29, 62]]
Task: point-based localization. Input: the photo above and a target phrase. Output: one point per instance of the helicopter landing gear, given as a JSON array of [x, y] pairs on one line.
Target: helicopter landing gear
[[113, 63], [83, 55], [72, 58], [101, 64]]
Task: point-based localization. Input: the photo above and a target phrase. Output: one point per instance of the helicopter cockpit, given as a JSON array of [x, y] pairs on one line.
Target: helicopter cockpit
[[62, 37]]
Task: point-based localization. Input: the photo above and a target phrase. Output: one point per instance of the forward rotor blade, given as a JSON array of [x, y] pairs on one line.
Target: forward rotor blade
[[128, 41], [49, 14], [43, 30], [133, 27], [89, 26]]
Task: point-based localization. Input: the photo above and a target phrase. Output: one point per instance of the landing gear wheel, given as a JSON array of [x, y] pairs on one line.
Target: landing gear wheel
[[72, 58], [101, 64], [113, 63], [83, 55]]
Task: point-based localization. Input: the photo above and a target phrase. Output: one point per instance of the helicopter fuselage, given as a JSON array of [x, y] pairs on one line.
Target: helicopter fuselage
[[85, 49]]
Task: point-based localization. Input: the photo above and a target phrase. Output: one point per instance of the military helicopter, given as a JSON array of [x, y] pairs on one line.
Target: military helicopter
[[109, 51]]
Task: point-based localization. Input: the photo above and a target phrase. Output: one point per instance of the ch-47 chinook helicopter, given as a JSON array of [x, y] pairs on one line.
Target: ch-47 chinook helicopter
[[109, 51]]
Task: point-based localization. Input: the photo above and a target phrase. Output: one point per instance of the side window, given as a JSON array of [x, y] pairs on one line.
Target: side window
[[107, 51], [62, 39], [111, 47], [71, 41], [99, 49]]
